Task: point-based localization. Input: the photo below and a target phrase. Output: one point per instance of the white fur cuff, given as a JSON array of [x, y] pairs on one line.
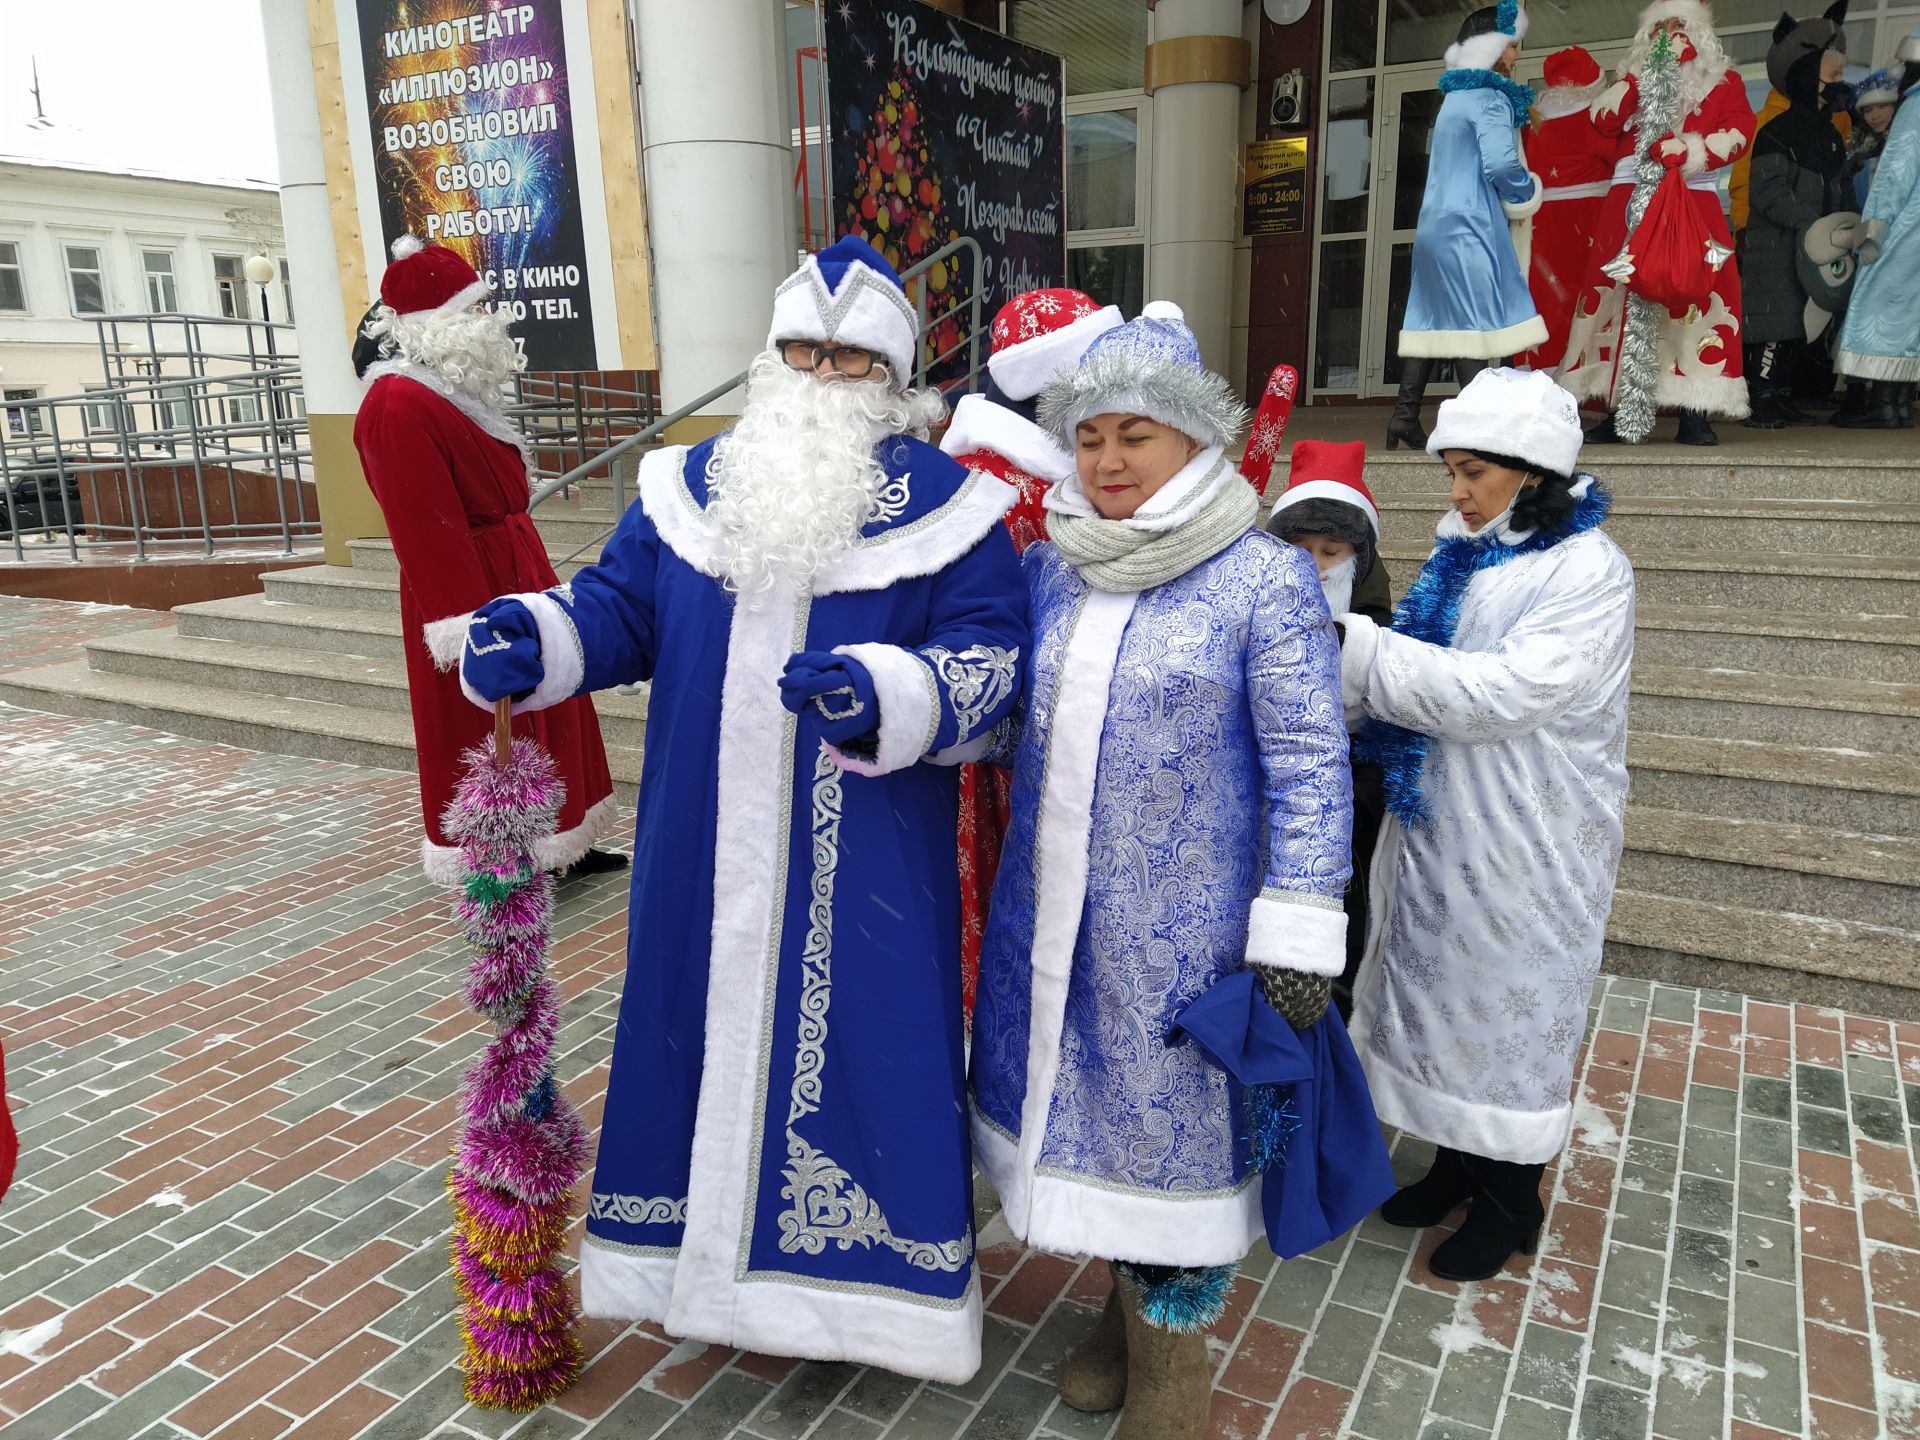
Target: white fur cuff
[[562, 660], [1297, 932], [1521, 209], [1361, 642], [1696, 160], [1025, 369], [445, 639], [903, 685]]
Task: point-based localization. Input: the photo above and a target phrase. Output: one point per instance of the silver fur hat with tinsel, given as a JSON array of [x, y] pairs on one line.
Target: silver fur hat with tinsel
[[1152, 367]]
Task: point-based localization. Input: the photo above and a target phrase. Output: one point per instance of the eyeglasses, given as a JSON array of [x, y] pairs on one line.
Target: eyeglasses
[[848, 360]]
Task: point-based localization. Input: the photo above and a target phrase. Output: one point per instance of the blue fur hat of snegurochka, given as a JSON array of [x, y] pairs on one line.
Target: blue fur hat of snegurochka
[[847, 294], [1485, 34], [1152, 367]]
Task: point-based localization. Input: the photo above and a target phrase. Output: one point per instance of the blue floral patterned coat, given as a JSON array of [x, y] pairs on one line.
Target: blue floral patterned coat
[[1182, 806]]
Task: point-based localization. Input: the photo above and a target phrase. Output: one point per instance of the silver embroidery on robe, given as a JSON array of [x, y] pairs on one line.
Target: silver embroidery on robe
[[977, 680]]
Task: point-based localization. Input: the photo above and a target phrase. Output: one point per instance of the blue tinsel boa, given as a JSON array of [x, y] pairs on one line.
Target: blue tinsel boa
[[1520, 97], [1430, 611]]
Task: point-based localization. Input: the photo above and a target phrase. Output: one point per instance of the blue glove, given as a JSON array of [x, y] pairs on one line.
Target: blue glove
[[502, 655], [836, 689]]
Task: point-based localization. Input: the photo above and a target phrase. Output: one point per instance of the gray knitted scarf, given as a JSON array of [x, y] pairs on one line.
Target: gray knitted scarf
[[1113, 555]]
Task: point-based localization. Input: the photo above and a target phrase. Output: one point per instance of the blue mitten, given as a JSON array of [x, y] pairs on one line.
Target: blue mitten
[[839, 691], [502, 654]]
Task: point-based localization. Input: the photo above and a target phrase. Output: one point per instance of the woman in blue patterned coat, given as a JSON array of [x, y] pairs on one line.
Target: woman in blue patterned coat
[[1181, 811]]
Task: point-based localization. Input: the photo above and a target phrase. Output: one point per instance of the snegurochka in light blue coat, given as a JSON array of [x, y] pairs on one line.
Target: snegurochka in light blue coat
[[1880, 341], [1469, 302], [1181, 814]]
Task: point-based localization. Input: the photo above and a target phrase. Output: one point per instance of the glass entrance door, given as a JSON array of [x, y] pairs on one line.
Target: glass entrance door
[[1408, 109]]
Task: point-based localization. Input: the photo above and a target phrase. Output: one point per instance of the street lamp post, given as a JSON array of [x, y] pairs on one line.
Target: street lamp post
[[259, 269]]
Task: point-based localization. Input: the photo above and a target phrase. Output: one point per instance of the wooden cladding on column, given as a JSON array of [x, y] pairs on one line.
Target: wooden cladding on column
[[1199, 60]]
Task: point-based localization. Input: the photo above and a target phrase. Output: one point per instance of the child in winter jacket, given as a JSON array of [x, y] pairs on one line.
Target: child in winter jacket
[[1327, 511]]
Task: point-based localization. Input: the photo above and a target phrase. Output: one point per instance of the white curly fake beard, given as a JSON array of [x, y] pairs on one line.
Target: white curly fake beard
[[471, 350], [792, 485]]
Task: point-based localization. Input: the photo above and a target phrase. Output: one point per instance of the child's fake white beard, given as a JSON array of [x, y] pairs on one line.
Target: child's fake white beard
[[1338, 585]]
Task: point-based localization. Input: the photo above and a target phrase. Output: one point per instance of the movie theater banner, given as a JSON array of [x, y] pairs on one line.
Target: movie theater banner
[[473, 135], [939, 129]]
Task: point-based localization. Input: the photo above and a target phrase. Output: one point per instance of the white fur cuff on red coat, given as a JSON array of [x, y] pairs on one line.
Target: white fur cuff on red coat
[[445, 639], [1292, 930]]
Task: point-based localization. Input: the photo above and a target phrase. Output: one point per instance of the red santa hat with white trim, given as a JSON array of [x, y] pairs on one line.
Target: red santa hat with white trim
[[429, 279], [1327, 495], [1041, 335]]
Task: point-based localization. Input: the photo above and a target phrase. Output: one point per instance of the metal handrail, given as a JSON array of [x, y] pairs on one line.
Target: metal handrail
[[974, 305]]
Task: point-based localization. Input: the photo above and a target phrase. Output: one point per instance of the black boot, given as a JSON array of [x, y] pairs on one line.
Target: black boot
[[1904, 402], [1695, 429], [1430, 1199], [1505, 1216], [1882, 410], [1855, 404], [1604, 433], [596, 862], [1465, 369], [1404, 427]]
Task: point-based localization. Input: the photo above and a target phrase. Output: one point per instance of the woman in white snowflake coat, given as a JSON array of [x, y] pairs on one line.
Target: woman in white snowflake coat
[[1497, 706]]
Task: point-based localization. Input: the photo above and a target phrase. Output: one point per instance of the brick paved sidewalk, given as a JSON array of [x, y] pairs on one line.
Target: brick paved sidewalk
[[233, 1036]]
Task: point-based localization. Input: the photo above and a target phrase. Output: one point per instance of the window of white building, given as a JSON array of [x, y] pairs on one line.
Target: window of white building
[[86, 280], [104, 416], [163, 293], [286, 291], [229, 279], [24, 419], [13, 280]]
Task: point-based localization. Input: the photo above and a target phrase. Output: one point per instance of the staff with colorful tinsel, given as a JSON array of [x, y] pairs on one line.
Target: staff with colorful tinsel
[[523, 1146]]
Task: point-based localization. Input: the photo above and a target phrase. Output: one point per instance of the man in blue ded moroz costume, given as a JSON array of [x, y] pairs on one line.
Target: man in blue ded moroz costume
[[1469, 305], [824, 604]]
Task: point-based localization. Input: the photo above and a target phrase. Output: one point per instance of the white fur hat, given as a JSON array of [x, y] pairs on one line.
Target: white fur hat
[[1521, 413], [849, 295]]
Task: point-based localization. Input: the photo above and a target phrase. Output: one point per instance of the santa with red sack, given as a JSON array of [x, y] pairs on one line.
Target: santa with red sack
[[1697, 369], [449, 468], [1037, 337], [1575, 164]]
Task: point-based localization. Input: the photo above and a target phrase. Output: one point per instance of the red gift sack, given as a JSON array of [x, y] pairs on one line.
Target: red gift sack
[[9, 1143], [1670, 246]]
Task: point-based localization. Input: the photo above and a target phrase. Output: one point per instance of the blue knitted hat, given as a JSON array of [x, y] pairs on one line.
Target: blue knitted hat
[[1150, 366]]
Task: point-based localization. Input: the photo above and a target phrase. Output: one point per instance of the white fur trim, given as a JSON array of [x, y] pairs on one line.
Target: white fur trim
[[1586, 190], [464, 298], [557, 852], [617, 1284], [489, 418], [1723, 145], [562, 661], [1690, 14], [972, 753], [1483, 52], [1508, 420], [1360, 643], [442, 864], [445, 639], [1473, 344], [869, 311], [1696, 160], [1563, 100], [1292, 933], [904, 687], [1526, 209], [1025, 369], [901, 552], [1520, 1137], [1329, 490], [979, 424], [1061, 843], [405, 246], [1083, 1217]]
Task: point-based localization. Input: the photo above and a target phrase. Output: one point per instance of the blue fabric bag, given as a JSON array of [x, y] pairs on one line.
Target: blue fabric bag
[[1333, 1168]]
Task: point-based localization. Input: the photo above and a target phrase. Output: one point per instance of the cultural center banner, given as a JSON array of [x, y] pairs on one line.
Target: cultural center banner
[[471, 123], [938, 129]]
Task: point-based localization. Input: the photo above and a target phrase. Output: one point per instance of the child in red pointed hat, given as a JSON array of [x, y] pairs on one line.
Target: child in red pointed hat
[[1328, 511]]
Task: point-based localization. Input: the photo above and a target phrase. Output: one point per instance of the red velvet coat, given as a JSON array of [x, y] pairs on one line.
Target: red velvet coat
[[9, 1141], [990, 437], [453, 489], [1700, 363], [1575, 164]]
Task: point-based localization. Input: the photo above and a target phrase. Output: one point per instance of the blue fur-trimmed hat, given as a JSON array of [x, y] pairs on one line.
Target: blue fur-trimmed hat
[[848, 294], [1150, 366]]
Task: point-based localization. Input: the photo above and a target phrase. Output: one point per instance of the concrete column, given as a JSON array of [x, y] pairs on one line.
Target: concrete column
[[719, 182], [347, 507], [1195, 69]]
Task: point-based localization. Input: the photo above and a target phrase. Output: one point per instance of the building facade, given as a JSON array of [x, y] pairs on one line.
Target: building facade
[[79, 244]]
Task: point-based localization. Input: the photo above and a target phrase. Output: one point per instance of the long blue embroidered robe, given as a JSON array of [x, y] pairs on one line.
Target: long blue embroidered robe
[[783, 1160], [1182, 807]]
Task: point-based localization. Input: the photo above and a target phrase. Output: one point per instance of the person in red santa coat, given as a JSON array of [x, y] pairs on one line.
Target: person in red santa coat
[[1699, 367], [1037, 337], [449, 469], [1575, 164]]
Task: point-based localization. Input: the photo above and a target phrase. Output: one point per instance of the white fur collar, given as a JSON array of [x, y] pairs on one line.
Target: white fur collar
[[1564, 100], [489, 418], [980, 424], [1171, 506]]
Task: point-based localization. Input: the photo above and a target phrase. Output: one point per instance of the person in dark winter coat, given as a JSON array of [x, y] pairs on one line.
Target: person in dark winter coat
[[1799, 175]]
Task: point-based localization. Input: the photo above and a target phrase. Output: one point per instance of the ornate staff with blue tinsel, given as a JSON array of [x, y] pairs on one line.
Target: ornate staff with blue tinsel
[[523, 1146]]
